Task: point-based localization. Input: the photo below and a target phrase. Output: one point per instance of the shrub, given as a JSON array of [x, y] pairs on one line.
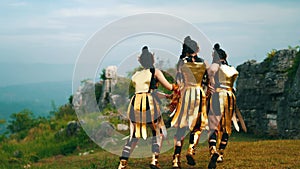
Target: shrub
[[68, 147], [34, 158], [66, 112], [270, 55], [21, 121]]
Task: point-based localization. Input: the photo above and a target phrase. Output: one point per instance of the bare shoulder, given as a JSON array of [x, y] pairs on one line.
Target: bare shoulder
[[214, 67], [206, 64], [158, 72]]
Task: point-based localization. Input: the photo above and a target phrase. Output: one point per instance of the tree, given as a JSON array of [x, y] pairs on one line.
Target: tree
[[2, 121], [21, 121], [102, 75], [66, 112]]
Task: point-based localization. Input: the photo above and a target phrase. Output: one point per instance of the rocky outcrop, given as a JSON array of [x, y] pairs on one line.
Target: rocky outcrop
[[268, 95]]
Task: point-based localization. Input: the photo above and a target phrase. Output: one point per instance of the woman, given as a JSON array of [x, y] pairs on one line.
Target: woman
[[143, 110], [190, 113], [222, 105]]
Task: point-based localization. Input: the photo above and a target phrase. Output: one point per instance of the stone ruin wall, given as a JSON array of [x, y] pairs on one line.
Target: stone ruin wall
[[268, 97]]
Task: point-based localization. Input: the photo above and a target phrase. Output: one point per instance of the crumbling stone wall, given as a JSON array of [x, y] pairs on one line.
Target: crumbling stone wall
[[269, 97]]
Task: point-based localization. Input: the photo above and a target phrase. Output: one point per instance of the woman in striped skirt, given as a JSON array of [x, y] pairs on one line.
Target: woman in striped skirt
[[143, 110], [191, 112], [222, 105]]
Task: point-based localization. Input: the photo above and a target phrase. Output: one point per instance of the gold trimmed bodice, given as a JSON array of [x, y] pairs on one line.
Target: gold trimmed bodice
[[193, 73], [227, 75], [141, 81]]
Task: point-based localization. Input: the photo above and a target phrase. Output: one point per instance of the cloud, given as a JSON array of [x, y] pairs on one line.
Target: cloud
[[43, 39], [256, 13], [18, 4], [71, 22], [195, 11], [118, 10], [48, 24]]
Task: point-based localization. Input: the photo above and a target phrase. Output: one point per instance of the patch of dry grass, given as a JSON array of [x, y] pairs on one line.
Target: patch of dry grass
[[259, 154]]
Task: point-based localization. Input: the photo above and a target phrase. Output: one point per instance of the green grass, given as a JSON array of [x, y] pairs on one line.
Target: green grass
[[44, 148], [243, 151]]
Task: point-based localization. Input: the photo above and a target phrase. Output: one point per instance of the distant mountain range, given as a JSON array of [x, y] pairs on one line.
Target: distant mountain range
[[33, 86], [37, 97], [38, 87], [24, 73]]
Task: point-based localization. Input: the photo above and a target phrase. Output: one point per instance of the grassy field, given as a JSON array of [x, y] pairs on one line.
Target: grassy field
[[243, 151]]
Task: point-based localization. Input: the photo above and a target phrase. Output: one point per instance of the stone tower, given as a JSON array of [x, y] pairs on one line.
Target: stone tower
[[109, 82]]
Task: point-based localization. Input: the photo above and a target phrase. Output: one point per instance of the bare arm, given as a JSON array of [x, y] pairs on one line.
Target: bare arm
[[161, 78], [210, 79], [212, 71], [206, 64]]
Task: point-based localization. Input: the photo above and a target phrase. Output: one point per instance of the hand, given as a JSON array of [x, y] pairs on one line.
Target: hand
[[169, 96], [175, 87], [210, 90]]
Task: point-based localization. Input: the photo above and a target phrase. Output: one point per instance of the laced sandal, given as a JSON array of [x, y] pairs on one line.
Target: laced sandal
[[176, 162], [213, 158], [123, 164], [220, 158], [190, 156], [154, 163]]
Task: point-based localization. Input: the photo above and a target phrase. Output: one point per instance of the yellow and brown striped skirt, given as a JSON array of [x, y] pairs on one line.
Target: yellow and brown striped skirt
[[144, 111], [191, 109], [223, 103]]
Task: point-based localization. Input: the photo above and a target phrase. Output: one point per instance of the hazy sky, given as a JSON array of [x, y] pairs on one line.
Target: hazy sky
[[35, 31]]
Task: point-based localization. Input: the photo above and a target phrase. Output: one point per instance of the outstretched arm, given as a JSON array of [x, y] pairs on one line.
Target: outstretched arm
[[161, 78]]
